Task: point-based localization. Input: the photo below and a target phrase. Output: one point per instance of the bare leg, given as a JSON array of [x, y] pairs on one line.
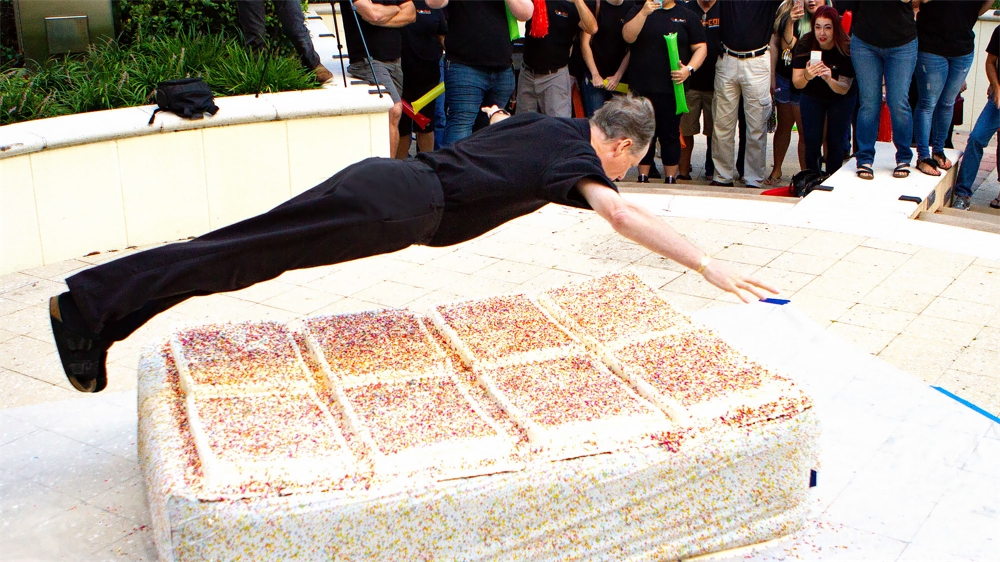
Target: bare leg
[[782, 137], [425, 142]]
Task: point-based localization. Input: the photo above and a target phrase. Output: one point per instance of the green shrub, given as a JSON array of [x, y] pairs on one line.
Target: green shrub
[[110, 75]]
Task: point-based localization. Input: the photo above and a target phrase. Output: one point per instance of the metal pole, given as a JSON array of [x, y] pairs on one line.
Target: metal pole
[[368, 55], [340, 47]]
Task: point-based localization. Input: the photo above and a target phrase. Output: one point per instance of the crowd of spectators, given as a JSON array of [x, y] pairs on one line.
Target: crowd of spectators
[[767, 65]]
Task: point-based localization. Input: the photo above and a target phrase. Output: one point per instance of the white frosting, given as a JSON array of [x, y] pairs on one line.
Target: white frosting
[[528, 307], [448, 457], [266, 351], [230, 463], [337, 363]]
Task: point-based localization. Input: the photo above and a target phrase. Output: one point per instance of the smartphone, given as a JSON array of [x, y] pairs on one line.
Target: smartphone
[[815, 57]]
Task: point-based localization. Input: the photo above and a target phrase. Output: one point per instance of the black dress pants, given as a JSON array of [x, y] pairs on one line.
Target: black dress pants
[[376, 206]]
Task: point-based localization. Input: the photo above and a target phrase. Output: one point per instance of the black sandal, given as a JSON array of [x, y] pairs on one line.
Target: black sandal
[[930, 162], [995, 204], [865, 172], [940, 158], [83, 354], [901, 171]]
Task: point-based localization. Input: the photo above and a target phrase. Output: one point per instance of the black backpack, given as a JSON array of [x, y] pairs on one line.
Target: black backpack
[[189, 98], [805, 182]]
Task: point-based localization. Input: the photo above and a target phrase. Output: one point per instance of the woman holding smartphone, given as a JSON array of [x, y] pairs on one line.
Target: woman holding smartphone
[[649, 72], [822, 69]]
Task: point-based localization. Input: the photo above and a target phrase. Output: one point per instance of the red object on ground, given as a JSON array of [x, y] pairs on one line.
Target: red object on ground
[[884, 124], [779, 192], [845, 21], [419, 119], [577, 102], [539, 20]]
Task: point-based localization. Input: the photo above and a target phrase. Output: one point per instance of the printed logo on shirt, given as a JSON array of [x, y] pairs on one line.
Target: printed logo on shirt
[[678, 20], [710, 23], [424, 12], [561, 13]]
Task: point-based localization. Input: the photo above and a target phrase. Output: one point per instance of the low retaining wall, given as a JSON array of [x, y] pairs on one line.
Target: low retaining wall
[[105, 180]]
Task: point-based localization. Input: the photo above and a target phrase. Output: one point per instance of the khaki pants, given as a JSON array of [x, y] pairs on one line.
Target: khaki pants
[[751, 79], [548, 94]]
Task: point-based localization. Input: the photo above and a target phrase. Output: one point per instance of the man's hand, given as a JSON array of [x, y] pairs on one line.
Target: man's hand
[[651, 232], [495, 113], [650, 6], [991, 92], [680, 75], [746, 287]]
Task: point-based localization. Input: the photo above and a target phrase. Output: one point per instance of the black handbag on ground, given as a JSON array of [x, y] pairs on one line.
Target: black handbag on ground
[[189, 98], [805, 182]]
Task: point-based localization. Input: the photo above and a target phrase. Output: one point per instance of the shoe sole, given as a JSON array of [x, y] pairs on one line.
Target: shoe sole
[[65, 346]]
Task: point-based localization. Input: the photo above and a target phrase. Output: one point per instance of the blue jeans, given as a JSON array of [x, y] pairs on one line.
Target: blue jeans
[[940, 81], [593, 98], [836, 113], [469, 89], [896, 65], [986, 126]]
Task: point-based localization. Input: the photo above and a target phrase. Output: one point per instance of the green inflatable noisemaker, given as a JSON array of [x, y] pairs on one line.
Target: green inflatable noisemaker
[[675, 64]]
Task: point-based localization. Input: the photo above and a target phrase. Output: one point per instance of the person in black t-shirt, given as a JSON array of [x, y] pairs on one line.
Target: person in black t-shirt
[[827, 100], [545, 85], [478, 50], [649, 72], [251, 14], [423, 45], [744, 72], [605, 54], [382, 205], [700, 91], [379, 21], [884, 51], [946, 48]]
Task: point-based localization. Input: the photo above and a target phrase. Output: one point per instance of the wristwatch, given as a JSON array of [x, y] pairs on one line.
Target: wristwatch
[[690, 69]]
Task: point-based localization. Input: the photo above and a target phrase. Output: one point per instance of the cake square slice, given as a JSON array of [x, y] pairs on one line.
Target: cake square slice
[[283, 440], [613, 310], [374, 345], [424, 423], [695, 376], [239, 358], [503, 330], [569, 405]]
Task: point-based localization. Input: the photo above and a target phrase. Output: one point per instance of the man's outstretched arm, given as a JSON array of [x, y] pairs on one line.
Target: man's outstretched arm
[[641, 226]]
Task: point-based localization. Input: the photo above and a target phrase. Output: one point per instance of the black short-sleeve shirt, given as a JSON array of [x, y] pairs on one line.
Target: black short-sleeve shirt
[[510, 169], [704, 79], [420, 38], [552, 51], [884, 24], [839, 63], [608, 45], [649, 65], [746, 25], [944, 28], [478, 33], [384, 43]]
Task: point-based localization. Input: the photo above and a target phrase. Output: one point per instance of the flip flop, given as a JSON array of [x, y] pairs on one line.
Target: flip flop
[[772, 181], [902, 170], [942, 161], [865, 172], [931, 164], [995, 204]]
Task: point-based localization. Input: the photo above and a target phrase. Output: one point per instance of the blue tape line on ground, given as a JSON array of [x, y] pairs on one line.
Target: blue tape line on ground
[[965, 402], [775, 301]]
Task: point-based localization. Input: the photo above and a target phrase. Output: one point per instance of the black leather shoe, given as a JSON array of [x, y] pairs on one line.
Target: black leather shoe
[[83, 354], [720, 184], [670, 179], [643, 178]]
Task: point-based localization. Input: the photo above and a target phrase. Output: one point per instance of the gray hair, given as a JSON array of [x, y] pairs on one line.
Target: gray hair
[[627, 117]]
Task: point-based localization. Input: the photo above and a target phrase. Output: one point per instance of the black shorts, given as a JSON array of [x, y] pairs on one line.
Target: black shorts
[[418, 79]]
